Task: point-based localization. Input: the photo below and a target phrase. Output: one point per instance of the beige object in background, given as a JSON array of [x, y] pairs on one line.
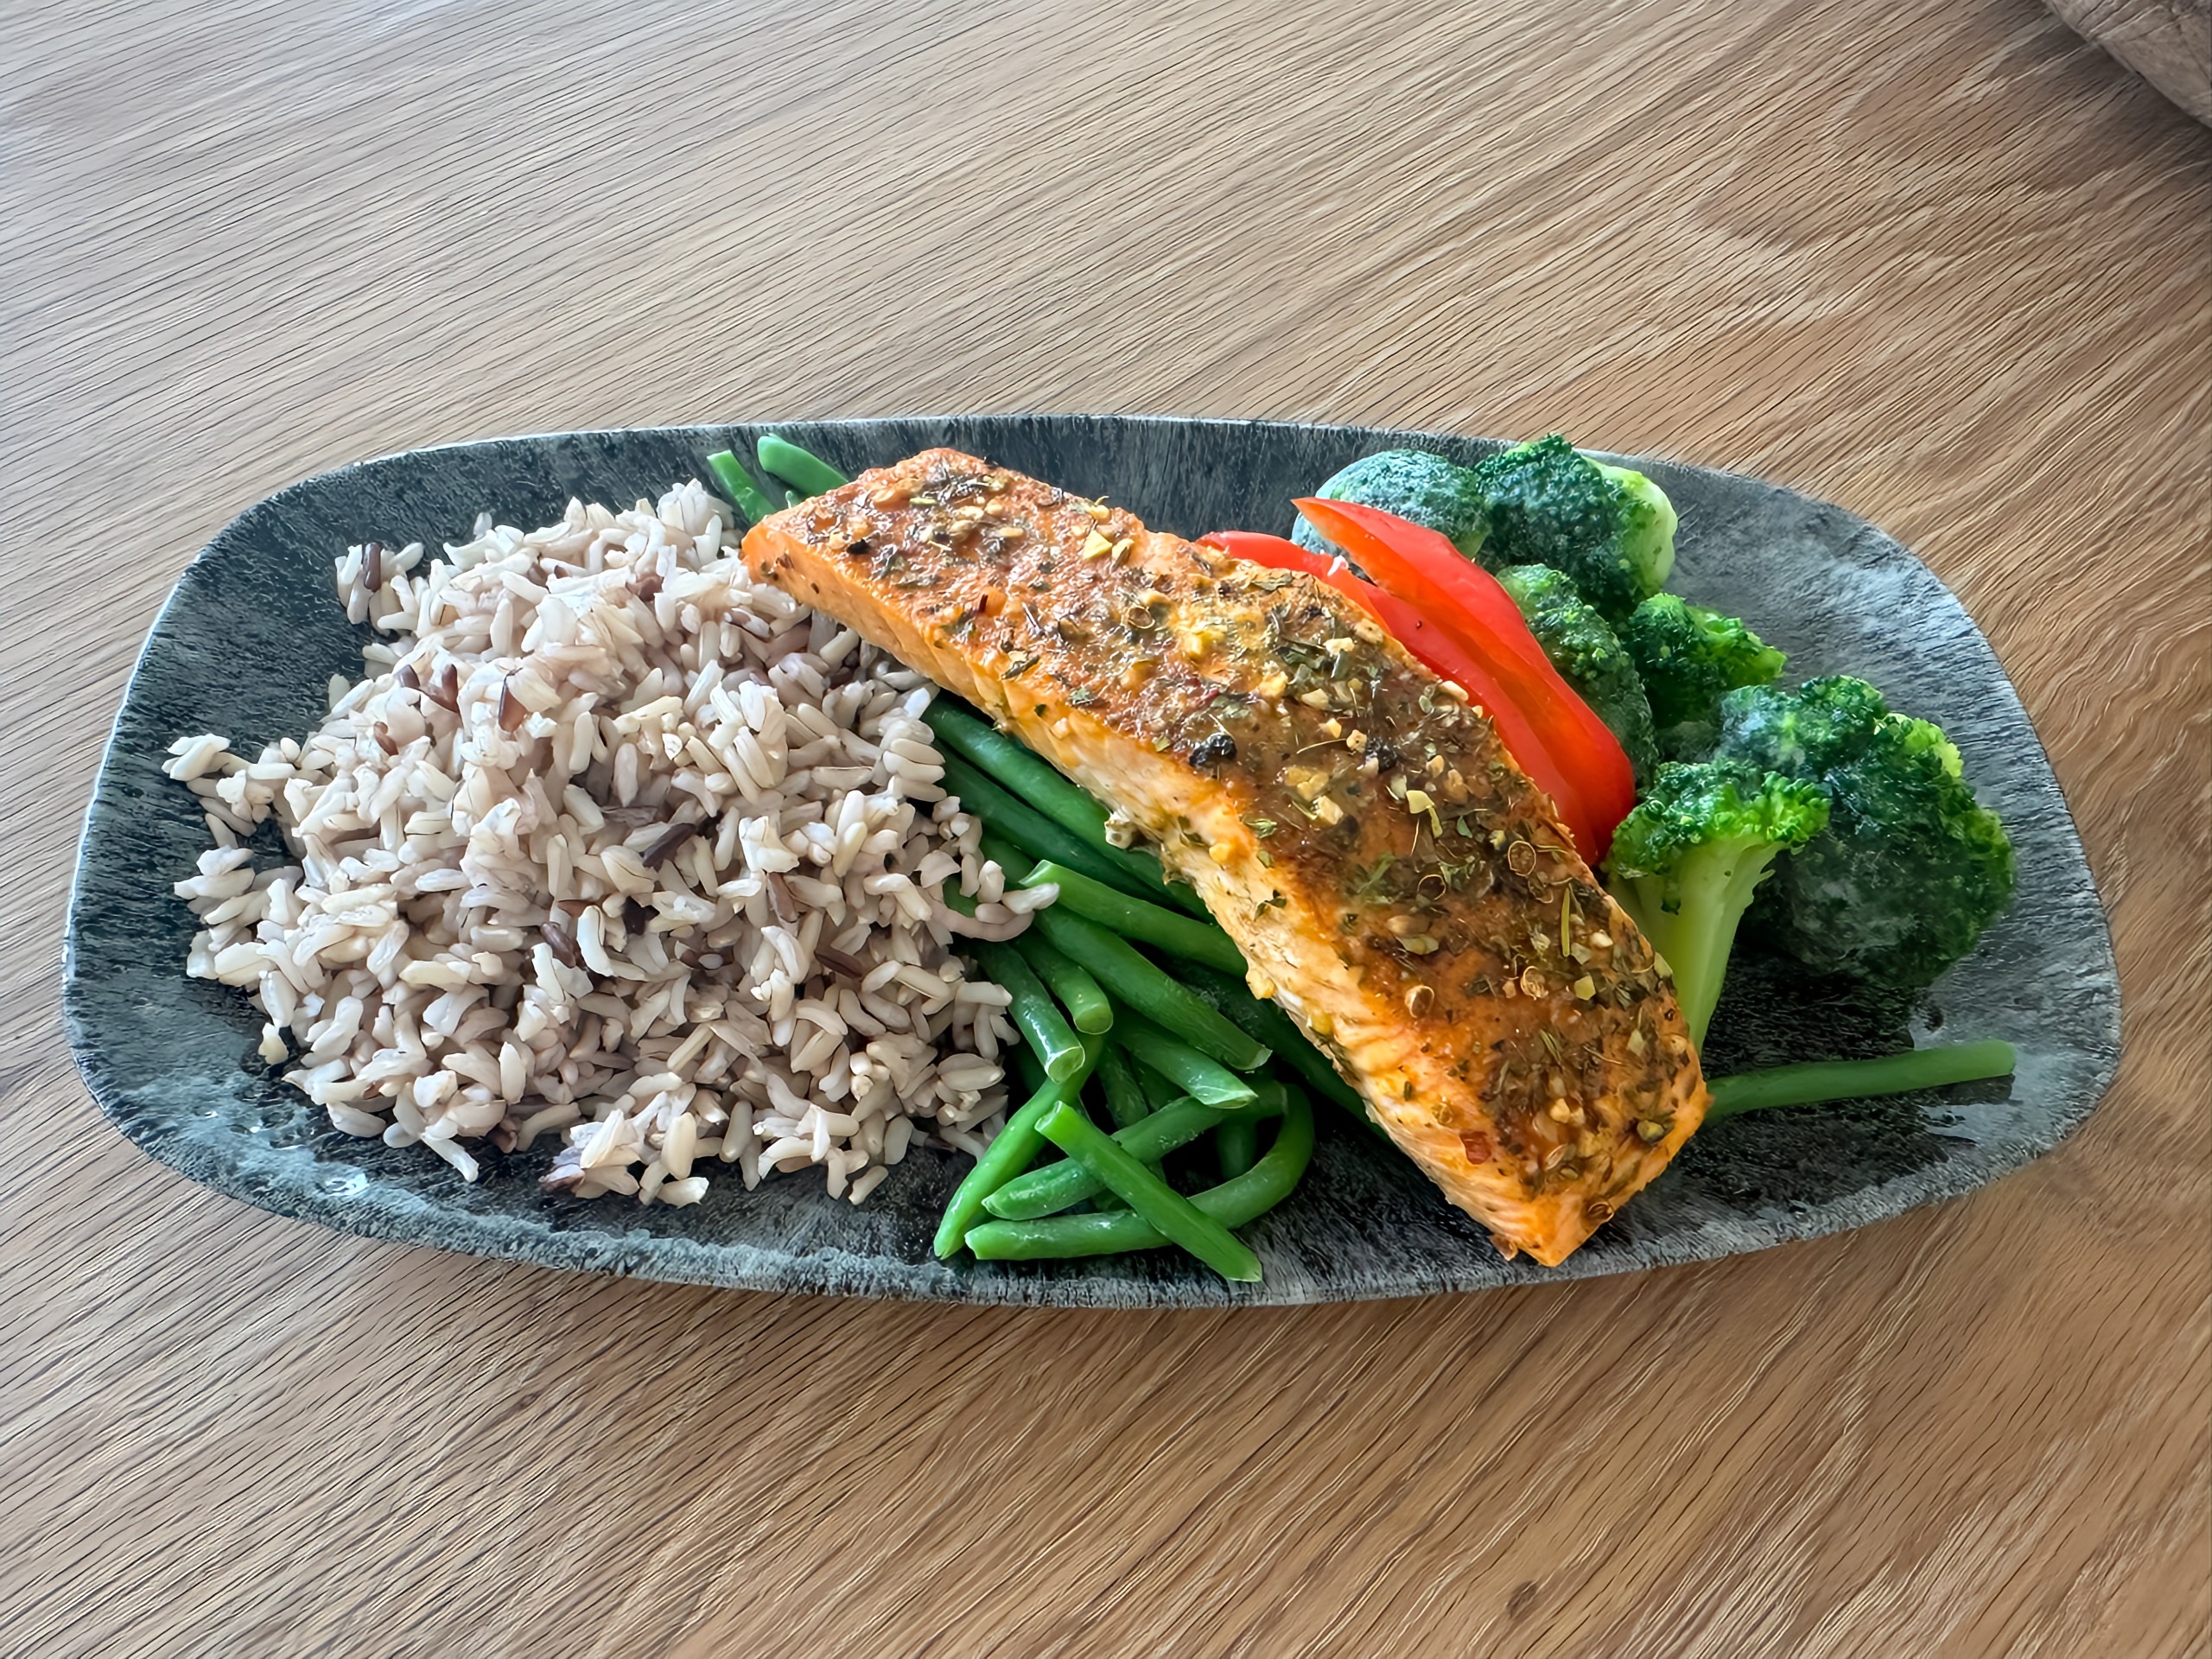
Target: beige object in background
[[2168, 42]]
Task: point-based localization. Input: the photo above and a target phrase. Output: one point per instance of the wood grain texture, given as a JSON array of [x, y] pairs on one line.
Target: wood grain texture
[[1940, 263]]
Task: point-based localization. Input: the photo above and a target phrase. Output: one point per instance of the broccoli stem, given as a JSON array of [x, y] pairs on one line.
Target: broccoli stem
[[1712, 886], [1893, 1074]]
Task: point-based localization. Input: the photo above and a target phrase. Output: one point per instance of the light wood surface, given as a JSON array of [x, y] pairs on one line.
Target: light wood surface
[[1941, 263]]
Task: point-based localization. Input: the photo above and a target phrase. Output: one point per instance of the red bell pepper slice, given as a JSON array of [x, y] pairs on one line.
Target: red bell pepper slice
[[1421, 566], [1279, 553], [1262, 548], [1444, 655]]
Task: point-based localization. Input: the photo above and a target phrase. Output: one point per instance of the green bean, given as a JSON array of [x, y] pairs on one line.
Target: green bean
[[1030, 778], [1032, 1008], [1027, 827], [1233, 1204], [1814, 1081], [1159, 1091], [1046, 1191], [1181, 893], [1168, 1210], [1270, 1025], [1124, 1105], [1008, 1155], [1035, 779], [1027, 1065], [1193, 1072], [1029, 1068], [737, 484], [1088, 1009], [1131, 980], [1125, 1101], [813, 475], [1178, 935], [1236, 1144], [1000, 851], [1051, 1188]]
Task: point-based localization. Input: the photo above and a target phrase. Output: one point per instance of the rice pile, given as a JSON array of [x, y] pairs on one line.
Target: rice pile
[[612, 843]]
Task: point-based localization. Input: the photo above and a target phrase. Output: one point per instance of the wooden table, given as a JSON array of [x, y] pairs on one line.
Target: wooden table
[[1940, 263]]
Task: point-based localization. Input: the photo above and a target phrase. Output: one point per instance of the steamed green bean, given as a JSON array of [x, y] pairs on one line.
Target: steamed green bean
[[1068, 980], [738, 487], [1194, 1072], [1131, 980], [1178, 935], [1236, 1144], [785, 459], [1159, 1091], [1022, 824], [1008, 1155], [1270, 1025], [1125, 1104], [1029, 1069], [1117, 1079], [1812, 1081], [1030, 778], [1233, 1204], [1032, 1008], [1053, 1188], [1149, 1197]]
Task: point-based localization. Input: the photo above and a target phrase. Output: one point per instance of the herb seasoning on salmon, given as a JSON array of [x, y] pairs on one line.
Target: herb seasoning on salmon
[[1394, 880]]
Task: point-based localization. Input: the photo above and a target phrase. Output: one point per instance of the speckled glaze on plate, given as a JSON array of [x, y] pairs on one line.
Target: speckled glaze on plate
[[249, 639]]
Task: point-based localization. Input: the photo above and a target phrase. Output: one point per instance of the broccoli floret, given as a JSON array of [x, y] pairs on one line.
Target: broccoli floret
[[1911, 868], [1689, 658], [1414, 484], [1588, 655], [1611, 530], [1802, 731], [1686, 862]]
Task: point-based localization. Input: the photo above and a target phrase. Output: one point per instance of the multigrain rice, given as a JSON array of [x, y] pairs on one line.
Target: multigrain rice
[[611, 844]]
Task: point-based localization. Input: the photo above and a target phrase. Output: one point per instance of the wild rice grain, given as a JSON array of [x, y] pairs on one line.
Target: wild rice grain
[[611, 844]]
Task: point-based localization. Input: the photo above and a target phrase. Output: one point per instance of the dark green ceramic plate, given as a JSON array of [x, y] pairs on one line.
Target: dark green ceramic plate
[[250, 638]]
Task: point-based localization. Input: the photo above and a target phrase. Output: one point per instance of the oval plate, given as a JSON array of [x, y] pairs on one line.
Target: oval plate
[[249, 639]]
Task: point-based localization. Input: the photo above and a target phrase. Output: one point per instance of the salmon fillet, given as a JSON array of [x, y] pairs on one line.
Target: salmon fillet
[[1395, 881]]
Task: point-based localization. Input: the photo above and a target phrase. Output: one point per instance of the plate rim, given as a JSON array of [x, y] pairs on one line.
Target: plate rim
[[675, 1259]]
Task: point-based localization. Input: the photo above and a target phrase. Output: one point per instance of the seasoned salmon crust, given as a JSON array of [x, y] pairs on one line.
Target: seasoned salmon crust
[[1394, 880]]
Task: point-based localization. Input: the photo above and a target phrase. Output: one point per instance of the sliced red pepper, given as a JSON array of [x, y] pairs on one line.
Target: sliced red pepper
[[1438, 651], [1422, 567], [1280, 553], [1262, 548]]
